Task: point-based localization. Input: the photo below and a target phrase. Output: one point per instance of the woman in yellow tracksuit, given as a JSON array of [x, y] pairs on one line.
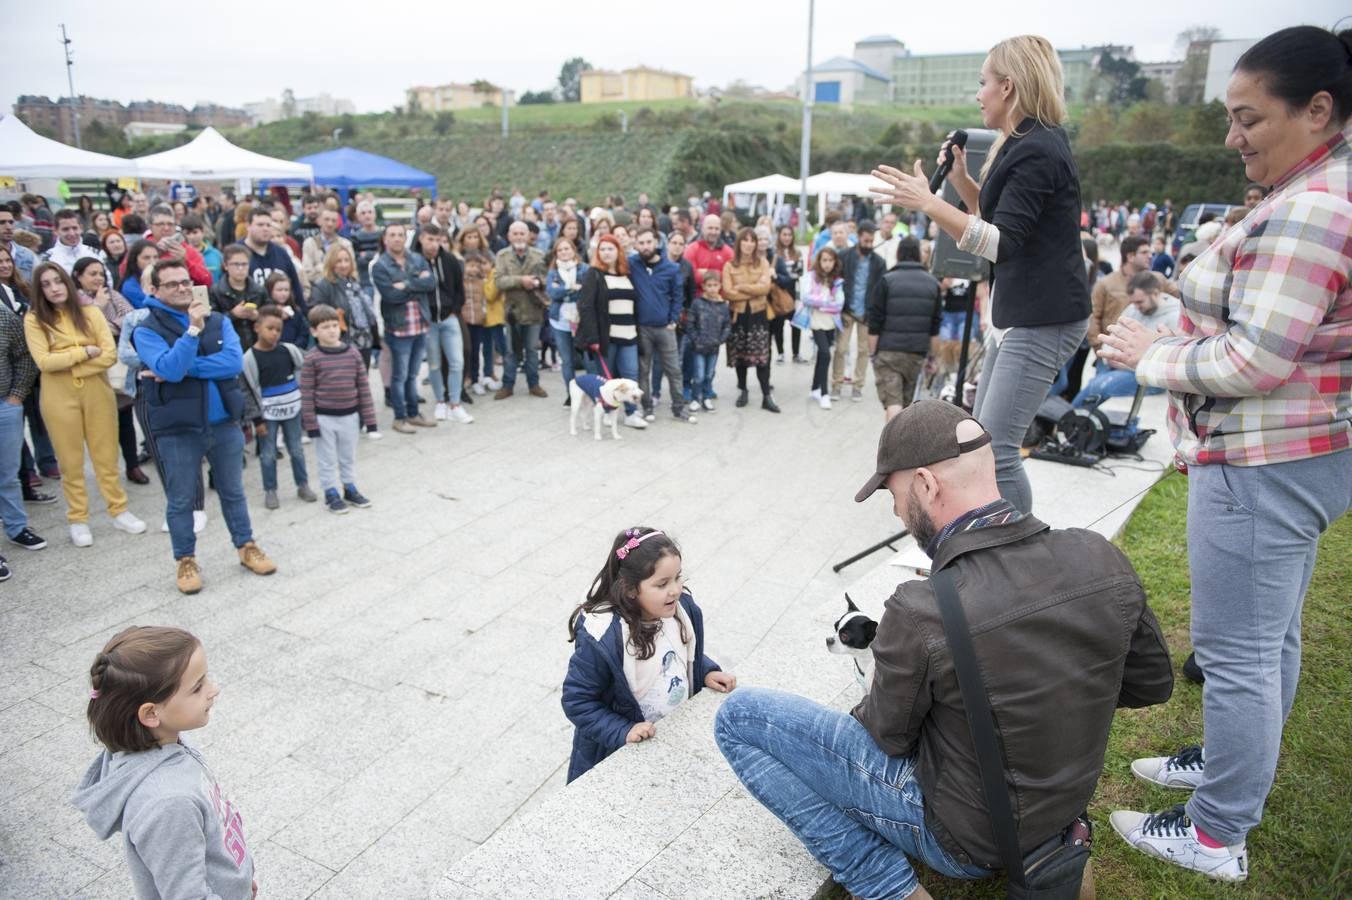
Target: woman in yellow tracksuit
[[74, 349]]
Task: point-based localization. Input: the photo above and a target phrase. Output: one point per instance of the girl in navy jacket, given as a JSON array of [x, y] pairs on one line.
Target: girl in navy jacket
[[639, 649]]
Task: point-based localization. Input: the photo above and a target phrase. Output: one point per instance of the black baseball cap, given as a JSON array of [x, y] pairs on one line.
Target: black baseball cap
[[922, 434]]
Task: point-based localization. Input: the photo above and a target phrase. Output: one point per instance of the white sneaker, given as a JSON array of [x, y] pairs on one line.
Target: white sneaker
[[493, 384], [823, 401], [440, 412], [199, 521], [80, 535], [458, 414], [1171, 836], [650, 416], [815, 394], [374, 435], [1183, 770], [635, 420], [693, 406], [477, 389], [305, 439], [129, 523]]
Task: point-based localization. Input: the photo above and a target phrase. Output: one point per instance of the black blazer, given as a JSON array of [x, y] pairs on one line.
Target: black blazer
[[1032, 195]]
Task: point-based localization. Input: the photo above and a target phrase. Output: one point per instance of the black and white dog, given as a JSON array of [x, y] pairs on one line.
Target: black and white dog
[[852, 636]]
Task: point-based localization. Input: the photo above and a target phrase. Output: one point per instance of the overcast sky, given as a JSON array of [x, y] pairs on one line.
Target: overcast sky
[[369, 52]]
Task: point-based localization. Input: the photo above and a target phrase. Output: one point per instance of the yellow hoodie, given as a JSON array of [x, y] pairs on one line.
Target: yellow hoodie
[[63, 349]]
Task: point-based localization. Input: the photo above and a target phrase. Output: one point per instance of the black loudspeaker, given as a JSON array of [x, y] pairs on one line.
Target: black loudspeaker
[[948, 261], [1049, 415]]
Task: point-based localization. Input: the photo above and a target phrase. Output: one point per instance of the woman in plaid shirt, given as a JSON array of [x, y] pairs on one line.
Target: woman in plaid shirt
[[1260, 381]]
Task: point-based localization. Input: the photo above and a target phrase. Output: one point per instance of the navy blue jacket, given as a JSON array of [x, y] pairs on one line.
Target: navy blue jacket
[[596, 695], [200, 384], [659, 291]]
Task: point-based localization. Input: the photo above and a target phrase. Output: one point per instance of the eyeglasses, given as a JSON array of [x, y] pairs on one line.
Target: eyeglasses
[[176, 285]]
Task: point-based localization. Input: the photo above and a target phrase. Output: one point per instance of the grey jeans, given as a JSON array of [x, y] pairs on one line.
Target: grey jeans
[[1015, 378], [336, 450], [1253, 533], [661, 341]]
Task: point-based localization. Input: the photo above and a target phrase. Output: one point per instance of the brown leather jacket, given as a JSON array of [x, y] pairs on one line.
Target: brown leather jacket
[[746, 286], [1063, 636]]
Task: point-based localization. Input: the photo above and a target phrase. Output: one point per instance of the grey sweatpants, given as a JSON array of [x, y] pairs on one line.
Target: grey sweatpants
[[336, 450], [1253, 533], [1015, 378], [662, 341]]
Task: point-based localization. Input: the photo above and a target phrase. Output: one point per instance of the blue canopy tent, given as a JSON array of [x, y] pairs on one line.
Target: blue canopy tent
[[348, 168]]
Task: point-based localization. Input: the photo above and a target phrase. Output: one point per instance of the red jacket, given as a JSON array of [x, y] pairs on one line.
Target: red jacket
[[702, 257], [197, 267]]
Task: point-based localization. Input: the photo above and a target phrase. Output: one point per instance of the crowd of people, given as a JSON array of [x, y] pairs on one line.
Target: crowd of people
[[238, 322]]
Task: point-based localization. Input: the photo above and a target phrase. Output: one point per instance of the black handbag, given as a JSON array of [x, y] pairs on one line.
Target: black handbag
[[1054, 869]]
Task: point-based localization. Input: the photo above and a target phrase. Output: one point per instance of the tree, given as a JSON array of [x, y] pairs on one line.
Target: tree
[[570, 79], [1123, 76], [1206, 127], [288, 104], [533, 97], [443, 121], [1146, 123], [1099, 127]]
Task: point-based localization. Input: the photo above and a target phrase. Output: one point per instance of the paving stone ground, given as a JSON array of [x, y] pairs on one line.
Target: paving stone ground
[[390, 698]]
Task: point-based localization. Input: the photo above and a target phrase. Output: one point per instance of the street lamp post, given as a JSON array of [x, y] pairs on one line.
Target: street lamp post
[[70, 83], [805, 154]]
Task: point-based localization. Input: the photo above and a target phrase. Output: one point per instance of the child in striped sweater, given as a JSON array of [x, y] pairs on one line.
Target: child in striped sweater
[[335, 404]]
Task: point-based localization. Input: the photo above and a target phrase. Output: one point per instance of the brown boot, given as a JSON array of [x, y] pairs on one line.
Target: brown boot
[[419, 421], [402, 426], [503, 394], [189, 575], [255, 560], [537, 391]]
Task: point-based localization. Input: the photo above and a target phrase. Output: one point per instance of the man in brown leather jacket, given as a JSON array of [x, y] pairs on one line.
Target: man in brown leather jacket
[[1063, 636]]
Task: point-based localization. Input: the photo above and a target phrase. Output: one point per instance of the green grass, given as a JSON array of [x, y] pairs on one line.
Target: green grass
[[1303, 848]]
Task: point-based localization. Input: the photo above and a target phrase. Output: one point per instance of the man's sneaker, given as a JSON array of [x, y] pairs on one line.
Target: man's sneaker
[[503, 393], [458, 414], [33, 495], [374, 435], [305, 493], [681, 414], [334, 503], [402, 426], [708, 404], [28, 540], [857, 394], [440, 412], [635, 420], [188, 575], [477, 388], [1171, 836], [779, 360], [4, 570], [537, 391], [815, 393], [1183, 770], [649, 415], [353, 497], [823, 401], [270, 500], [252, 557], [835, 394], [1192, 671], [693, 406], [420, 421], [127, 522], [80, 535], [492, 383], [53, 472]]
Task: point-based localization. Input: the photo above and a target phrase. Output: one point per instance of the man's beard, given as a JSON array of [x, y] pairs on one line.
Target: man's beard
[[918, 521]]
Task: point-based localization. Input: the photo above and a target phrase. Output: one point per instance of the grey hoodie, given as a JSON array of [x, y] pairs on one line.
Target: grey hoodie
[[184, 839]]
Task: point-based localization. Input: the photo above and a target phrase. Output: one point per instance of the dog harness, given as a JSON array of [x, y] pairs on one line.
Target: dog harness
[[591, 386]]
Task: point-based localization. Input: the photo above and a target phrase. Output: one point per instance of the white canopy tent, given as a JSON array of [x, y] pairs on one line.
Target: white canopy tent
[[774, 187], [26, 154], [210, 157], [842, 184]]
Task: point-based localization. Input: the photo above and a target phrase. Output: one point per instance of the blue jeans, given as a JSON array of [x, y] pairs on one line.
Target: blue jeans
[[622, 359], [267, 452], [1109, 382], [222, 445], [688, 367], [445, 338], [527, 338], [856, 809], [12, 512], [563, 339], [406, 356], [702, 378], [1253, 534], [952, 323]]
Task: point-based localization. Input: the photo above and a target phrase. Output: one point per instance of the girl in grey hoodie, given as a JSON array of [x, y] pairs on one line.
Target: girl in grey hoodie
[[183, 837]]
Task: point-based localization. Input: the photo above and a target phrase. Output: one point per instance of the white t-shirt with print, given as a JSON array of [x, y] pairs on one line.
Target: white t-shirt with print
[[670, 687]]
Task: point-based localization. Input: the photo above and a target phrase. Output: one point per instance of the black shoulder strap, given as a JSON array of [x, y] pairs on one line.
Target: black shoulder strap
[[982, 724]]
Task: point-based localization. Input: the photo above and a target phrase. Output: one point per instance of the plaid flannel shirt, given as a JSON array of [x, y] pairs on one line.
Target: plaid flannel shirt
[[1263, 373]]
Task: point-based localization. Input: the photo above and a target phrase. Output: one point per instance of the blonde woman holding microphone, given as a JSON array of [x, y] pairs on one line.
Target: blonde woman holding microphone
[[1025, 220]]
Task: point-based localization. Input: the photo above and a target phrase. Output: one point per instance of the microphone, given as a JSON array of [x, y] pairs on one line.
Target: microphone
[[958, 139]]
